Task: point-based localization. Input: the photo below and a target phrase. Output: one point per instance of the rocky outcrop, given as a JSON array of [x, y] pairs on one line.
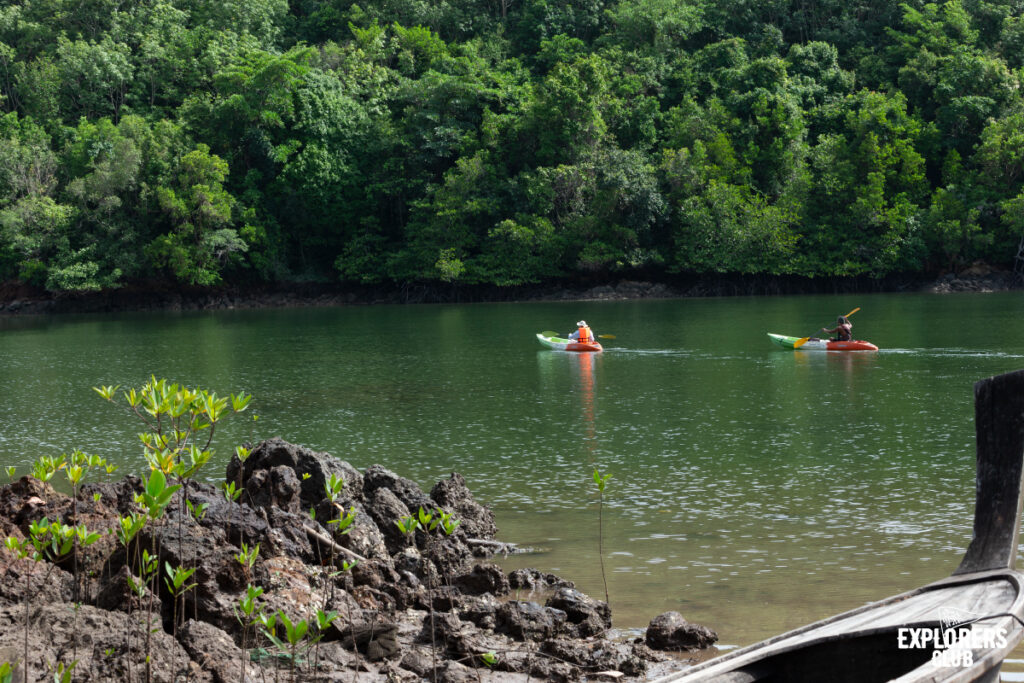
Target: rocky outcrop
[[670, 631], [406, 605], [978, 277]]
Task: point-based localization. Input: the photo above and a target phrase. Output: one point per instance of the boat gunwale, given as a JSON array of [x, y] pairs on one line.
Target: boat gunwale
[[770, 647]]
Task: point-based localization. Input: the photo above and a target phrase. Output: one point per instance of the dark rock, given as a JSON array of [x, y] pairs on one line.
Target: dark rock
[[382, 599], [374, 573], [534, 580], [670, 631], [480, 610], [362, 537], [115, 594], [529, 621], [119, 495], [319, 466], [586, 616], [405, 490], [214, 650], [385, 508], [373, 636], [475, 520], [106, 644], [483, 578], [44, 582], [591, 655], [277, 487], [412, 561], [24, 501]]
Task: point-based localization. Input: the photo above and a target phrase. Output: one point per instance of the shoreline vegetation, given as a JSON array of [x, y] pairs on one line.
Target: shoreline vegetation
[[20, 299], [296, 567]]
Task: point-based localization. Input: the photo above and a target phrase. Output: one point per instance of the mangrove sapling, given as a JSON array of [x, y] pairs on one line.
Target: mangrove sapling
[[430, 522], [154, 499], [247, 558], [78, 465], [342, 525], [408, 526], [176, 416], [295, 633], [197, 512], [11, 471], [46, 466], [323, 622], [175, 580], [61, 672], [248, 613], [599, 482], [44, 539], [7, 672], [23, 549], [127, 529]]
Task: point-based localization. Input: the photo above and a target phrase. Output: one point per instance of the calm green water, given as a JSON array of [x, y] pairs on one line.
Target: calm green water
[[753, 489]]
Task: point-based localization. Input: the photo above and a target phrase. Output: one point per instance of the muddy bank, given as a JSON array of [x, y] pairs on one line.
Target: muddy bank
[[19, 299], [409, 604]]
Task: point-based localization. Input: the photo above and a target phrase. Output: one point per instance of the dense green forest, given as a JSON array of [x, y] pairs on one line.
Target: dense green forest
[[505, 142]]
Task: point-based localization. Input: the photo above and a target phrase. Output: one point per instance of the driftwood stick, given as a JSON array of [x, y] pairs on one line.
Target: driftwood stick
[[320, 538]]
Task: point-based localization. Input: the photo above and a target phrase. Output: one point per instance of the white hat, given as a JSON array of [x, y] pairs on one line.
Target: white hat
[[582, 323]]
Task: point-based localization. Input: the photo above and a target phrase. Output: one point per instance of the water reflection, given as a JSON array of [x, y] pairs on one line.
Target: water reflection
[[583, 365], [583, 369]]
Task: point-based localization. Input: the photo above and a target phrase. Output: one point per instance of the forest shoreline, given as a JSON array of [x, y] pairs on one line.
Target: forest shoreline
[[17, 299]]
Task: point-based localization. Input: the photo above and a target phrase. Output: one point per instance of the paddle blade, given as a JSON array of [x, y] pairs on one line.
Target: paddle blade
[[852, 312], [606, 336], [800, 342]]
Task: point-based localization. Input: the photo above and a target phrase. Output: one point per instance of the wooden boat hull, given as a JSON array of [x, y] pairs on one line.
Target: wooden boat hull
[[822, 344], [882, 641], [568, 344]]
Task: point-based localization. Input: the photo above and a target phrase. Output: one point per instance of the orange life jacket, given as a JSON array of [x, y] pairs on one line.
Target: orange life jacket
[[586, 336]]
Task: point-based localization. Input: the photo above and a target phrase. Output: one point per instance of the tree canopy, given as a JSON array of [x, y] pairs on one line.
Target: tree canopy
[[505, 142]]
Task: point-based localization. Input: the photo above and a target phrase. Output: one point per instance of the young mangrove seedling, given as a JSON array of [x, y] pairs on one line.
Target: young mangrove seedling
[[175, 580], [600, 482], [248, 613]]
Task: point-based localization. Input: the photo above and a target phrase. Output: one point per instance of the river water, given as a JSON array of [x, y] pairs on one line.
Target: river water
[[752, 489]]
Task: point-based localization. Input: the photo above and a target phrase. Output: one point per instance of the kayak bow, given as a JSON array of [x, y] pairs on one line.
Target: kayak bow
[[822, 344], [561, 344]]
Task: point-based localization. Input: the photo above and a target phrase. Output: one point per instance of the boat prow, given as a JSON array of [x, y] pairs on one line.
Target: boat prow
[[814, 344], [973, 619], [568, 344]]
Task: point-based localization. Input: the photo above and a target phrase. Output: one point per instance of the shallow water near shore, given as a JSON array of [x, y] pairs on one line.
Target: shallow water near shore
[[753, 489]]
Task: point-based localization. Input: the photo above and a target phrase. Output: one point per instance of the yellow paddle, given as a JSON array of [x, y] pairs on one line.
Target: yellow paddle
[[800, 342]]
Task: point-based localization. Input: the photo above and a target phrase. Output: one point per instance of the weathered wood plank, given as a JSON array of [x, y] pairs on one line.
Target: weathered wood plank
[[999, 428]]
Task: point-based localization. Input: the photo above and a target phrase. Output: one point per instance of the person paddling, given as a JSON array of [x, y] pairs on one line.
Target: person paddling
[[843, 330], [583, 334]]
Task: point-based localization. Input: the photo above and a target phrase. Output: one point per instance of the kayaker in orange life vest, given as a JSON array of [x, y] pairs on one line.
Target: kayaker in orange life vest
[[843, 329], [582, 333]]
